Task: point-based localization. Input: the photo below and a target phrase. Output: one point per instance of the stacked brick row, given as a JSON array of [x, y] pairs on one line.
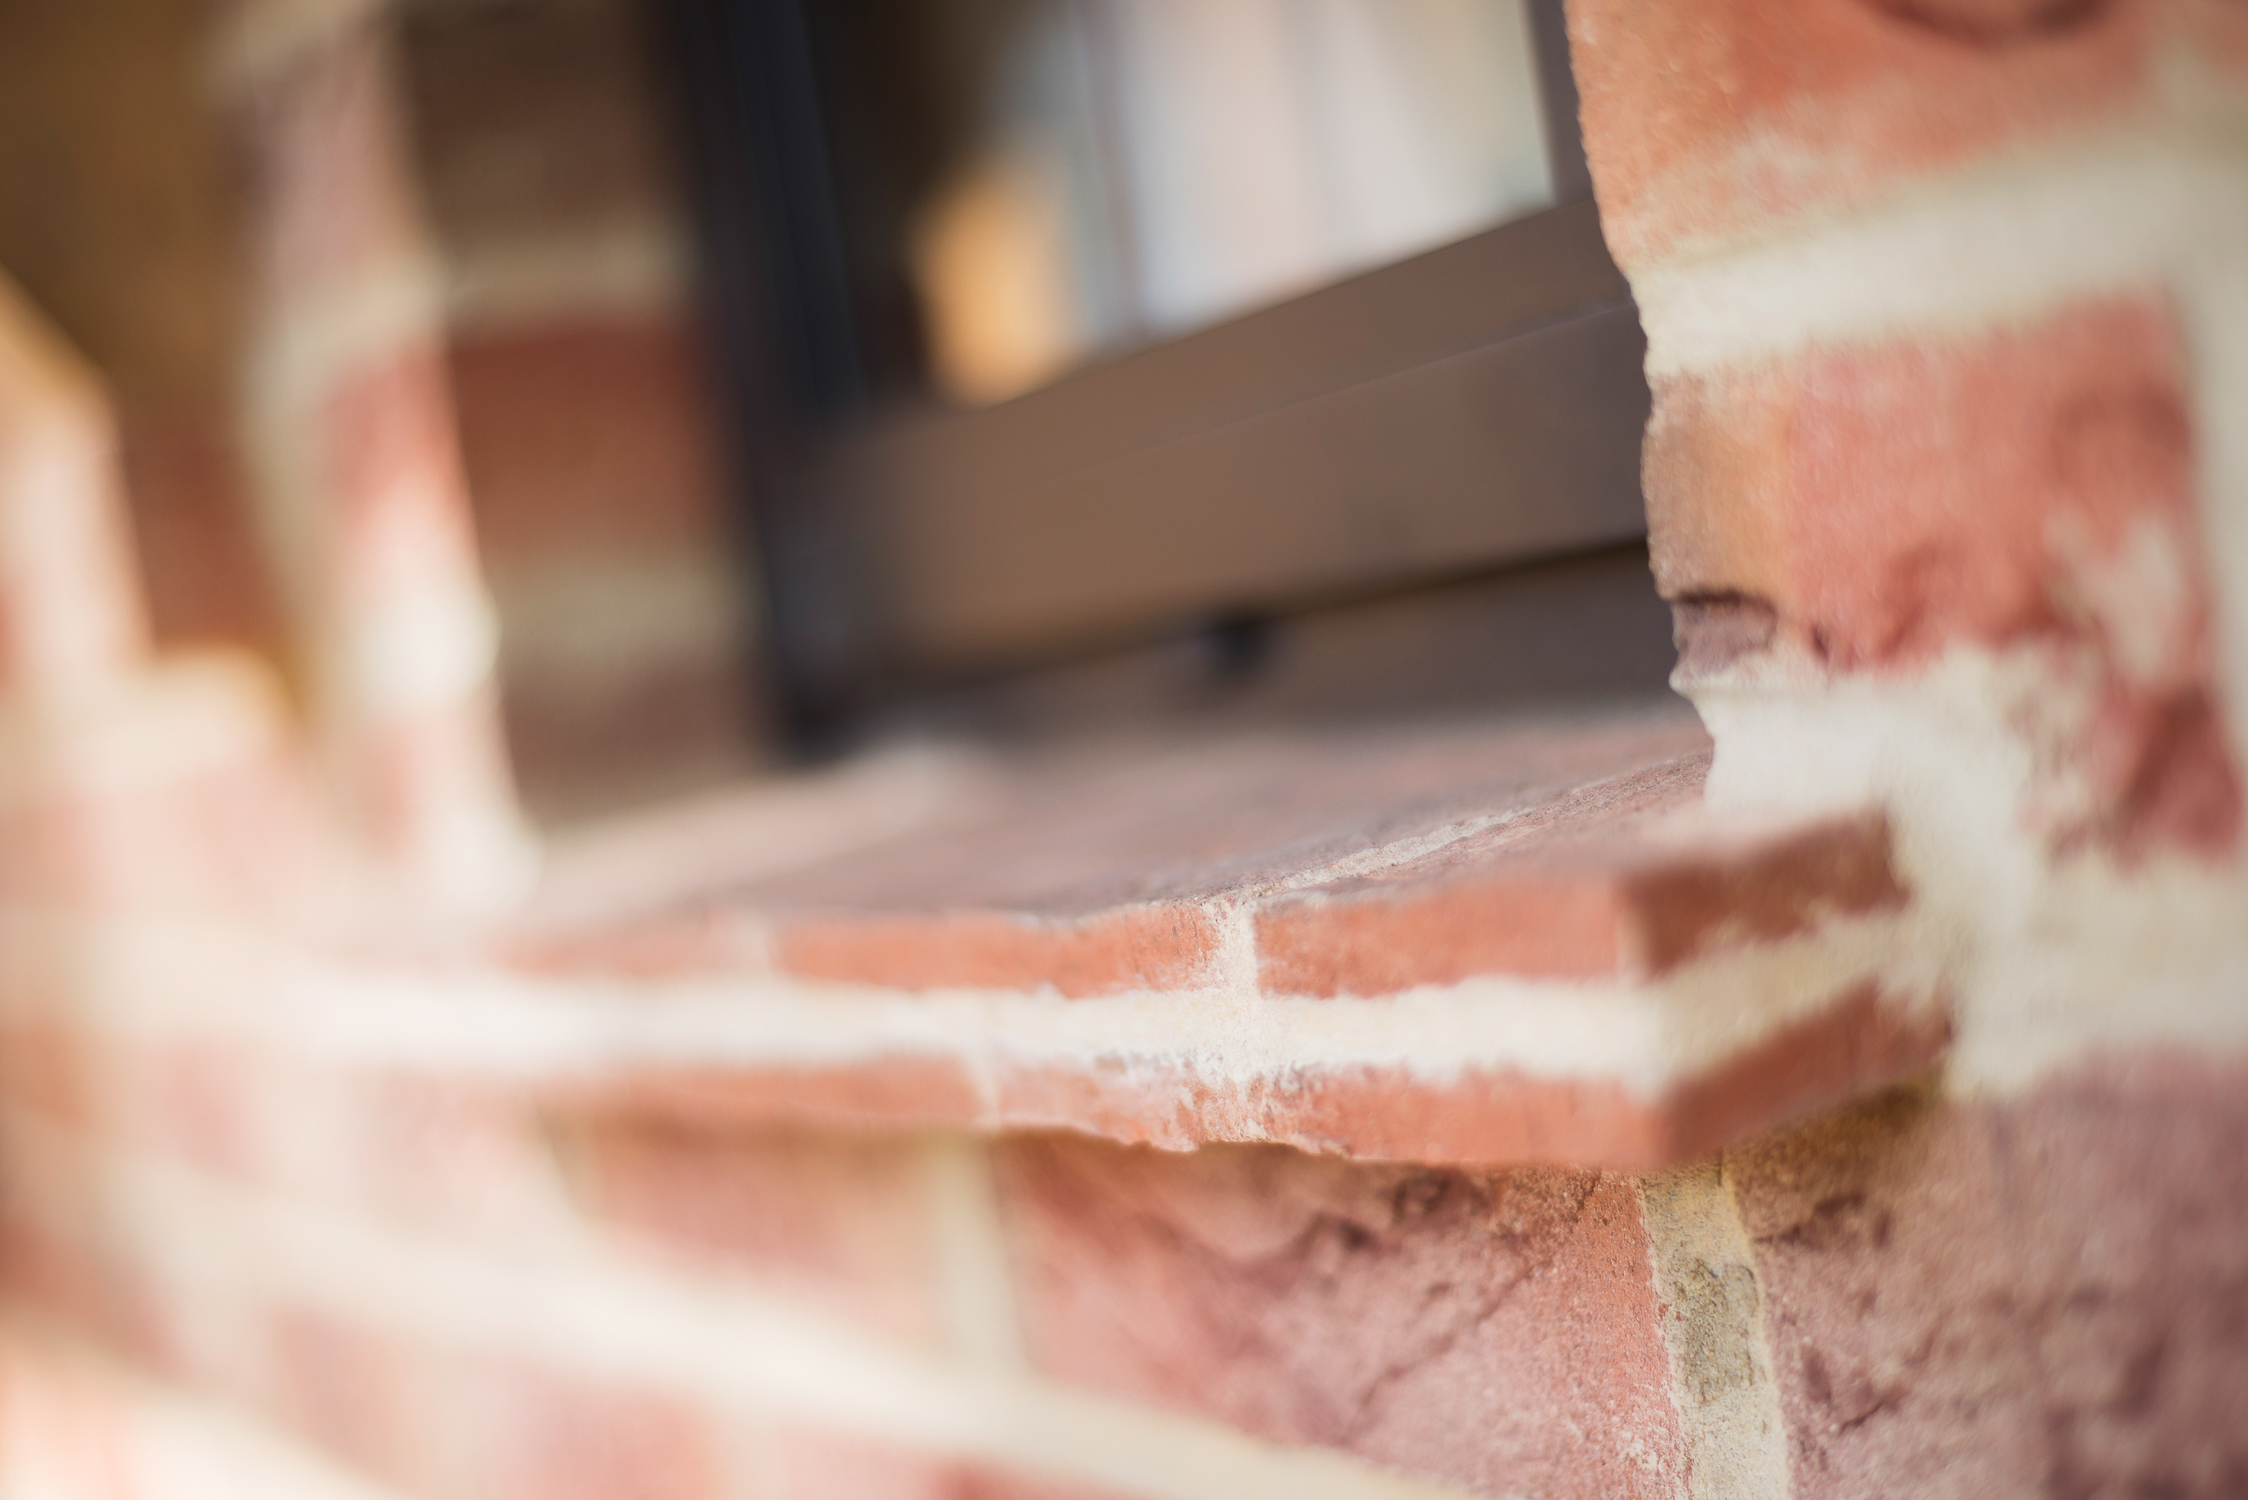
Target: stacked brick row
[[556, 198], [349, 418], [1947, 482]]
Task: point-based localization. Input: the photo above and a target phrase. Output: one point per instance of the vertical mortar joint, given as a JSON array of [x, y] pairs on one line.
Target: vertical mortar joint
[[1713, 1325]]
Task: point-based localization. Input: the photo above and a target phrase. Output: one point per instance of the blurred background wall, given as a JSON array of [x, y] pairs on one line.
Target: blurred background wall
[[547, 174]]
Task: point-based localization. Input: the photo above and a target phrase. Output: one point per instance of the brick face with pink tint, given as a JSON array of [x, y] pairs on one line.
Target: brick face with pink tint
[[1708, 120]]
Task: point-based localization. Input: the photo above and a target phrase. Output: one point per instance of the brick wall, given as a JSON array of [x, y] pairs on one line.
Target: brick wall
[[1868, 1120], [544, 141]]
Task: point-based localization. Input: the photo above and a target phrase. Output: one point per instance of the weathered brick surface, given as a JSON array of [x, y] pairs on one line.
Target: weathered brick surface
[[2047, 1295], [1890, 500], [1874, 506], [1162, 946], [840, 1223], [1494, 1329], [1707, 119], [1596, 884], [1861, 1039]]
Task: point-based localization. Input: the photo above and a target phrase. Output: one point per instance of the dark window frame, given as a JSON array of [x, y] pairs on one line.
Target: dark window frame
[[1472, 408]]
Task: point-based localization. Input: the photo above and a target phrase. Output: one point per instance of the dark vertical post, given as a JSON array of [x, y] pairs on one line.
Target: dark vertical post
[[1557, 91]]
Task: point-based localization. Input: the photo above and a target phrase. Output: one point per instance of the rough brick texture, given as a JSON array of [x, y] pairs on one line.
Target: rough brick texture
[[2048, 1295], [1496, 1329], [1888, 501], [1871, 507]]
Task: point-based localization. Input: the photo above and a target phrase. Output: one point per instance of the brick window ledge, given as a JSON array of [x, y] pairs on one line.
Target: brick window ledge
[[1517, 940], [1520, 940]]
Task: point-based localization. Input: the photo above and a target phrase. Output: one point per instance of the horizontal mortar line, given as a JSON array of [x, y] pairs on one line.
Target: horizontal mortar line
[[1646, 1036], [600, 1314], [636, 266], [1989, 244], [414, 648]]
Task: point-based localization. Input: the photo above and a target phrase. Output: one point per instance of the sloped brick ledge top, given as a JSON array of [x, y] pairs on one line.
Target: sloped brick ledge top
[[1498, 942]]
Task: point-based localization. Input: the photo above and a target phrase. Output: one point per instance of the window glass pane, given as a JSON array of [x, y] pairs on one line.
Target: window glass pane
[[1120, 171]]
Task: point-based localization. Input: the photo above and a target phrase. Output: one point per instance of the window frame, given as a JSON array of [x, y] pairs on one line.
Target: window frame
[[1475, 407]]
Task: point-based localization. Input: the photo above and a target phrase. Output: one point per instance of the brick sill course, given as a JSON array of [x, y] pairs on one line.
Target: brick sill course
[[1497, 942]]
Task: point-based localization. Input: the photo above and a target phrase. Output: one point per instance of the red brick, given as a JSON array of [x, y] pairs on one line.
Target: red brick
[[1599, 890], [1477, 1115], [89, 1286], [204, 574], [233, 837], [1538, 924], [2220, 30], [588, 438], [839, 1222], [47, 1063], [2033, 485], [1155, 947], [463, 1157], [1705, 119], [1371, 1112], [1855, 1042], [350, 1389], [1496, 1330], [1888, 501], [519, 1432], [2047, 1294], [1135, 1100], [1852, 1046], [1759, 889], [191, 1098], [1092, 876], [1078, 835]]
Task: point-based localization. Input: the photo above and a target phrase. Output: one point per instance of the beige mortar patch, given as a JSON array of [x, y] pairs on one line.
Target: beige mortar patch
[[1713, 1304]]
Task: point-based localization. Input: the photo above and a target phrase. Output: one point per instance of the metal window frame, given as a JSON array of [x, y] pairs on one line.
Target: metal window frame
[[1472, 408]]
